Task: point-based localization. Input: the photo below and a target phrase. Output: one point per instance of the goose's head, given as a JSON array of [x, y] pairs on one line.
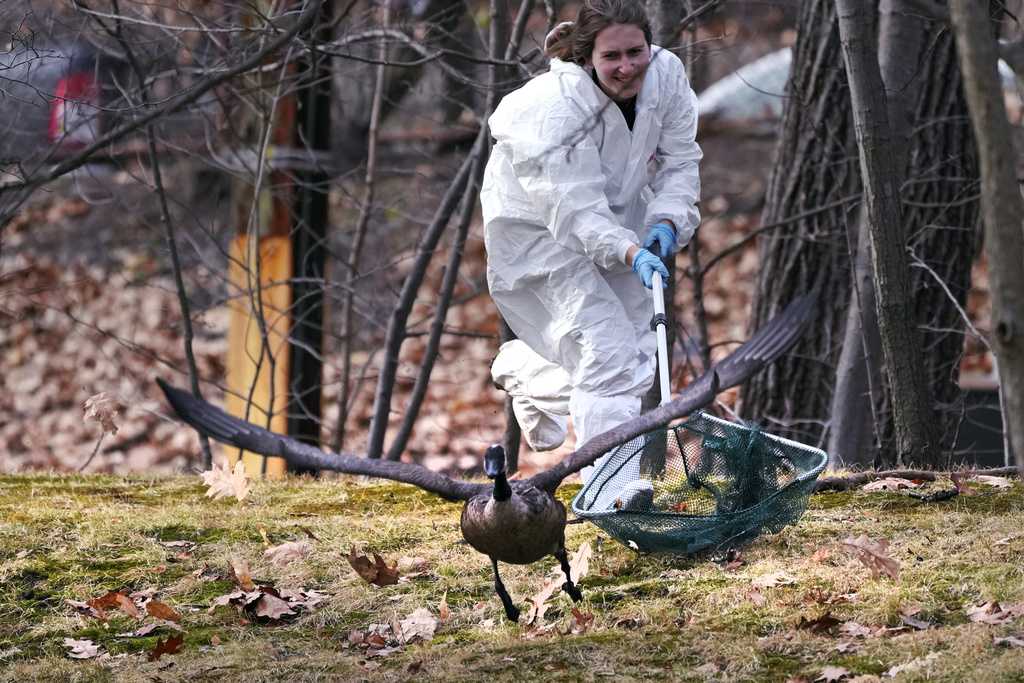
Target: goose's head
[[494, 461], [494, 467]]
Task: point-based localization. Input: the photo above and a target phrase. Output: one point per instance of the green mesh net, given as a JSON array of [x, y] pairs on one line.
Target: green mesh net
[[704, 483]]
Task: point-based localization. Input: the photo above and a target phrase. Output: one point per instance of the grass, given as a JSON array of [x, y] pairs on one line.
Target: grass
[[76, 537]]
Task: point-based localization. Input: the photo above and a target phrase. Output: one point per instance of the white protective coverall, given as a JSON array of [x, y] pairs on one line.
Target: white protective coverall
[[568, 189]]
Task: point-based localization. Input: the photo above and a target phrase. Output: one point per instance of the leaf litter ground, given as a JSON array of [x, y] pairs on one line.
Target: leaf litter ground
[[803, 605]]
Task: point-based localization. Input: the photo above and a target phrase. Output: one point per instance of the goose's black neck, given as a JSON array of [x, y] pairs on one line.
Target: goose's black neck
[[502, 490]]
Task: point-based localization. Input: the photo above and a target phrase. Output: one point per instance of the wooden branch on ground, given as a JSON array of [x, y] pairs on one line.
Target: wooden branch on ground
[[845, 483]]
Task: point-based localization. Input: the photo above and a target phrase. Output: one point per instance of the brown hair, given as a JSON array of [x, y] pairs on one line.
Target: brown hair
[[574, 41]]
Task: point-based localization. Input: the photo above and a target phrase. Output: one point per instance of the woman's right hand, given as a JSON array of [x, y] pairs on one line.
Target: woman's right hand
[[645, 264]]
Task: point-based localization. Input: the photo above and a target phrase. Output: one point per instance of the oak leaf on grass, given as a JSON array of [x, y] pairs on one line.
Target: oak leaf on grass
[[241, 573], [273, 607], [830, 674], [874, 555], [81, 649], [420, 625], [772, 580], [286, 553], [103, 408], [581, 621], [166, 647], [579, 565], [824, 624], [161, 610], [991, 613], [225, 481], [376, 572]]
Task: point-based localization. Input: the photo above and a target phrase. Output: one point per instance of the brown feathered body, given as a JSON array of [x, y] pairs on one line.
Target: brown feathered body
[[528, 526]]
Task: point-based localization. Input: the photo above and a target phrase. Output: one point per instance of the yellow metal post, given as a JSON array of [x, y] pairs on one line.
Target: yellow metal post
[[260, 270], [257, 370]]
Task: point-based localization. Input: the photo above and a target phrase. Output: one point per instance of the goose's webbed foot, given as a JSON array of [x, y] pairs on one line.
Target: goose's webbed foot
[[569, 587], [511, 611]]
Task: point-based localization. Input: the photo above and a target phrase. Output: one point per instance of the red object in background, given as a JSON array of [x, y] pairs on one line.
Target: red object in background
[[73, 121]]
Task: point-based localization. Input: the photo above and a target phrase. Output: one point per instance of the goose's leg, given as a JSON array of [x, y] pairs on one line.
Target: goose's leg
[[569, 587], [511, 611]]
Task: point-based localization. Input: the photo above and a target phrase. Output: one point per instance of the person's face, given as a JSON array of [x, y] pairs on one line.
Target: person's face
[[620, 59]]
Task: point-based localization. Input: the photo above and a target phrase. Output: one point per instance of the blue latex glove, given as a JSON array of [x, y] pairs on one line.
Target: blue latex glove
[[665, 236], [644, 265]]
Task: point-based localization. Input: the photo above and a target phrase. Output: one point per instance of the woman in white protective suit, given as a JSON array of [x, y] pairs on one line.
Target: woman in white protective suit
[[593, 176]]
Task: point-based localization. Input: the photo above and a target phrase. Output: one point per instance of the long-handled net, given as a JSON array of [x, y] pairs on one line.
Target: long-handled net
[[704, 483]]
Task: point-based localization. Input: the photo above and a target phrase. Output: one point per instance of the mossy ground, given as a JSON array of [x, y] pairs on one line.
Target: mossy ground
[[76, 537]]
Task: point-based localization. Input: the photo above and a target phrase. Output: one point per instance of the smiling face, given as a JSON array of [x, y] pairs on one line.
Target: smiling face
[[620, 60]]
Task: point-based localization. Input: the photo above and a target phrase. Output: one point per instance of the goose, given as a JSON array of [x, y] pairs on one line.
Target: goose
[[511, 521]]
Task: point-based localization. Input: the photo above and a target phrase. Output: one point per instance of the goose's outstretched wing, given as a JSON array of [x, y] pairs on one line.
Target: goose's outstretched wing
[[216, 424], [767, 344]]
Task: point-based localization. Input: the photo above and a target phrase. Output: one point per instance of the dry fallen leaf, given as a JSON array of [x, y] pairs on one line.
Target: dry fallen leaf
[[873, 555], [915, 664], [412, 565], [538, 603], [103, 408], [772, 580], [104, 602], [226, 599], [580, 621], [1009, 641], [989, 613], [833, 673], [890, 484], [732, 561], [820, 625], [756, 597], [960, 481], [157, 609], [224, 481], [579, 565], [377, 572], [166, 647], [420, 625], [307, 598], [444, 613], [852, 628], [241, 574], [579, 562], [272, 607], [81, 649], [286, 553]]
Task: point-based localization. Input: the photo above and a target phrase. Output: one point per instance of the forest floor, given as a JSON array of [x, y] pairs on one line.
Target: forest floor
[[143, 578]]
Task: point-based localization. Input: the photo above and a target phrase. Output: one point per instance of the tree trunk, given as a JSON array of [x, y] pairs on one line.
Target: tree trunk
[[900, 341], [815, 165], [927, 112], [940, 213], [1001, 206]]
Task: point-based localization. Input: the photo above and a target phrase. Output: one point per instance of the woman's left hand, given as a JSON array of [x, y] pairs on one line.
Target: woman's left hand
[[664, 235]]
